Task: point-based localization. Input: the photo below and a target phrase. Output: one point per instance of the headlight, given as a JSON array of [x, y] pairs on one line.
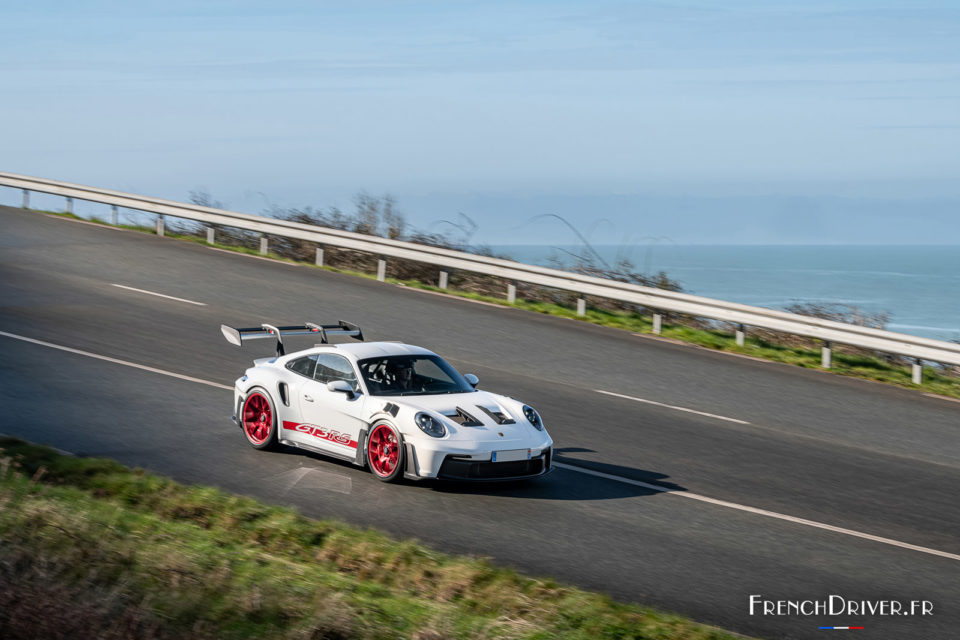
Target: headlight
[[533, 417], [430, 425]]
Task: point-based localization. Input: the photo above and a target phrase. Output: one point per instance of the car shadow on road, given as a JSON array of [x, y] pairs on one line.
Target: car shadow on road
[[572, 484]]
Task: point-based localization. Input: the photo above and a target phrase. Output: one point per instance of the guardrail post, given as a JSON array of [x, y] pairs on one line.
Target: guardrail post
[[657, 323], [69, 204], [210, 235], [741, 335], [511, 292], [263, 245], [581, 306], [160, 226], [826, 355], [26, 199], [319, 259], [444, 279], [381, 269], [918, 372], [114, 215]]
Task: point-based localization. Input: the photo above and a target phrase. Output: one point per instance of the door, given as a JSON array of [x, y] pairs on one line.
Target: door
[[331, 420]]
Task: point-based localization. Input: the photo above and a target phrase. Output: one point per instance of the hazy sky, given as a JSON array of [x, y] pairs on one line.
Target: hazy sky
[[711, 122]]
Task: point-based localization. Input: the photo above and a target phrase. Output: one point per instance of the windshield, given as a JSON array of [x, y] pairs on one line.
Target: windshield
[[411, 376]]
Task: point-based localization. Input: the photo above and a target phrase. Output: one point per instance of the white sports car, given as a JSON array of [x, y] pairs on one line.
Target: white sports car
[[400, 410]]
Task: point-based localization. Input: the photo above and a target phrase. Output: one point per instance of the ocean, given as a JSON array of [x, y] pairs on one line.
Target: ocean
[[917, 286]]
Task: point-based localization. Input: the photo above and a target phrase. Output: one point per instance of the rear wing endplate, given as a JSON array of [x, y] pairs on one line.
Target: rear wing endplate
[[324, 331]]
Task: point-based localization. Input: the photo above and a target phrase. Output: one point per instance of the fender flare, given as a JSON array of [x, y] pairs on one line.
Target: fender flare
[[361, 458], [410, 457]]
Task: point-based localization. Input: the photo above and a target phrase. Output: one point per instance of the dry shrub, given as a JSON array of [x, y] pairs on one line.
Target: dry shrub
[[379, 216]]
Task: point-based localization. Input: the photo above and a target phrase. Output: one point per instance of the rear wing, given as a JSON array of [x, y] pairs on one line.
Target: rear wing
[[324, 331]]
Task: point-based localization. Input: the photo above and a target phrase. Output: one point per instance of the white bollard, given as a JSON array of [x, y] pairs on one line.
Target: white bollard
[[741, 335], [114, 215], [26, 200], [512, 293], [826, 355], [657, 323], [918, 372], [320, 256], [69, 204], [160, 226], [381, 269], [263, 246], [210, 235], [581, 306], [444, 279]]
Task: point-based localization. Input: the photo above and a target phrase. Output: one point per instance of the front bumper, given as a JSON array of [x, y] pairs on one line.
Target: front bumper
[[454, 468], [472, 460]]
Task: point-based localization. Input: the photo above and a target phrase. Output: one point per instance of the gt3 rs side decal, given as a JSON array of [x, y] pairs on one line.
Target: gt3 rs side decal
[[321, 432]]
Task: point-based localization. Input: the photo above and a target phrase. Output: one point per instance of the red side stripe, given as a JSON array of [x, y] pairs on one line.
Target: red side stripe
[[320, 432]]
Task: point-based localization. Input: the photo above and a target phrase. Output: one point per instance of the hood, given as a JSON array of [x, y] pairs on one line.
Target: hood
[[471, 415], [478, 405]]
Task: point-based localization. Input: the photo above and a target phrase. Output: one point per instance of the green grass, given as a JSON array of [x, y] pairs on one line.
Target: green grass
[[91, 548], [846, 362]]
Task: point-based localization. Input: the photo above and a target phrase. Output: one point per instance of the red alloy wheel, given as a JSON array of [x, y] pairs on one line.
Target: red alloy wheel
[[383, 450], [257, 418]]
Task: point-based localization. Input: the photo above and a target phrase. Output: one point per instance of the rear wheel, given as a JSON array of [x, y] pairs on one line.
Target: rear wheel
[[259, 419], [385, 453]]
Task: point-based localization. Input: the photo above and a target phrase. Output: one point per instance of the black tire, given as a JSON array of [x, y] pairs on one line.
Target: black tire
[[384, 452], [258, 419]]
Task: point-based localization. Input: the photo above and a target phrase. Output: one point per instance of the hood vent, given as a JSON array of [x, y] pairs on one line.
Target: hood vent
[[498, 416], [463, 418]]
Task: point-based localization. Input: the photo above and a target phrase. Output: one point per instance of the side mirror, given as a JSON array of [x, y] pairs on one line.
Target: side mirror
[[472, 379], [341, 386]]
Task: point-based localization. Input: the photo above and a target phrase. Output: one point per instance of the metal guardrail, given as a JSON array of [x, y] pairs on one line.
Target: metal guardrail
[[657, 299]]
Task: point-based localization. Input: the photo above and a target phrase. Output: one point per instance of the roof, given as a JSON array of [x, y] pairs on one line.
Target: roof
[[363, 350]]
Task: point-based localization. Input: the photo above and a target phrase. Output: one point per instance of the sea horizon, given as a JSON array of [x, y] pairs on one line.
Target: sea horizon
[[917, 286]]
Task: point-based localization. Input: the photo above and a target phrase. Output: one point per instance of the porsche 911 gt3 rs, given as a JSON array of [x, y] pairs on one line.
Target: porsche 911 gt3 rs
[[397, 409]]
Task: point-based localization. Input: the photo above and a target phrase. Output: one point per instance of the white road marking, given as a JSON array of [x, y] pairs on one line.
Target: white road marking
[[249, 255], [756, 511], [159, 295], [117, 361], [311, 478], [324, 480], [559, 465], [670, 406], [939, 397], [62, 452], [92, 224]]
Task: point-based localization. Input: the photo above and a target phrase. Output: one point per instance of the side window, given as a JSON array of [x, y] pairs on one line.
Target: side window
[[304, 366], [333, 367]]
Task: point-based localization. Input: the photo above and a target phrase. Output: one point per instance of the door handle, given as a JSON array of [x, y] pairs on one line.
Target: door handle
[[308, 398]]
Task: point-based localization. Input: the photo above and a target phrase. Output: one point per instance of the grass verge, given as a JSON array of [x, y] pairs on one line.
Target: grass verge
[[846, 362], [90, 548]]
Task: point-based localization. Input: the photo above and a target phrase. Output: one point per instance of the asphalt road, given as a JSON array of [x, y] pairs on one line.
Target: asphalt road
[[864, 457]]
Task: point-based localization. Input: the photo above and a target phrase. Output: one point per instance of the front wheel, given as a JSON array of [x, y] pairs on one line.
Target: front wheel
[[259, 419], [385, 453]]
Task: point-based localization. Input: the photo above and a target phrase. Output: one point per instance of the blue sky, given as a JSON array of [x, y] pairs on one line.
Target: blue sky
[[733, 122]]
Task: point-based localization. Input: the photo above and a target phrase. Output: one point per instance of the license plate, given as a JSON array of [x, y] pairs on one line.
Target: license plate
[[510, 456]]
